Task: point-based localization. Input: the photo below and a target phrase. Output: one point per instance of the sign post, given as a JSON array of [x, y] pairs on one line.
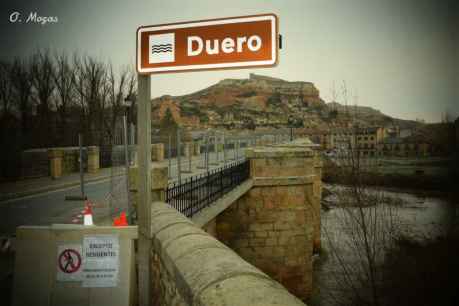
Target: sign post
[[238, 42], [144, 204]]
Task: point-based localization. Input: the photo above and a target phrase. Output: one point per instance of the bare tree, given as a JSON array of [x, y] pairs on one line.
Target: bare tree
[[8, 123], [92, 90], [22, 83], [6, 89], [64, 81], [116, 98], [42, 75], [366, 229], [132, 95]]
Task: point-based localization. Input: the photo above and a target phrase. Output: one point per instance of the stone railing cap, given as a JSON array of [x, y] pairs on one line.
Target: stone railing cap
[[278, 152]]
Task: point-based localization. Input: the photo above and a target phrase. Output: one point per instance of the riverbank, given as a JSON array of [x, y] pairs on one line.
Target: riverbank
[[418, 269], [439, 179]]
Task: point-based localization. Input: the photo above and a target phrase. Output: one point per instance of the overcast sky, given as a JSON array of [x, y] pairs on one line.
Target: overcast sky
[[400, 56]]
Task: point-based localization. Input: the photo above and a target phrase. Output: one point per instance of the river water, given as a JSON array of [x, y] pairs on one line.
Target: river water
[[415, 216]]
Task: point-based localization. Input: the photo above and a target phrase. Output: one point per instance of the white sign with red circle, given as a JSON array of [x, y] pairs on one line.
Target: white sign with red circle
[[69, 263]]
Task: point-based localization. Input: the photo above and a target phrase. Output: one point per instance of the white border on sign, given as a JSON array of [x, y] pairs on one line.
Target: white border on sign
[[272, 18]]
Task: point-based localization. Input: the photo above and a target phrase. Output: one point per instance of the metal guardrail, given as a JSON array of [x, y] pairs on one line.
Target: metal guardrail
[[198, 192]]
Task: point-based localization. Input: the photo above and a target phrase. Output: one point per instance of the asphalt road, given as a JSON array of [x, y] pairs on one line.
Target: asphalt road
[[52, 207]]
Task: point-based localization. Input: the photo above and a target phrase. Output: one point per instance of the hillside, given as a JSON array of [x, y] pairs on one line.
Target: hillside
[[262, 101]]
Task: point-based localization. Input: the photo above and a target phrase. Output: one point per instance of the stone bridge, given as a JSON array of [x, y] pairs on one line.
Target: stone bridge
[[253, 246]]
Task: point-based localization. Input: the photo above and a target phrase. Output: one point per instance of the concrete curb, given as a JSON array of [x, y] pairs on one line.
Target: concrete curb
[[40, 190]]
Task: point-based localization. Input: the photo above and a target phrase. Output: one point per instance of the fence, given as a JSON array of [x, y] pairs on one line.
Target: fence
[[198, 192]]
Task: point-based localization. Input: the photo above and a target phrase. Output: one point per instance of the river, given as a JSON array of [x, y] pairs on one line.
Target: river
[[416, 216]]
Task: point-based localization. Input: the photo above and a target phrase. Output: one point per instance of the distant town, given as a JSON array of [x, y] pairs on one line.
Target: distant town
[[262, 103]]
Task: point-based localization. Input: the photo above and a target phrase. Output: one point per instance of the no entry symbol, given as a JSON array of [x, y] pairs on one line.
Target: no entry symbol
[[69, 261]]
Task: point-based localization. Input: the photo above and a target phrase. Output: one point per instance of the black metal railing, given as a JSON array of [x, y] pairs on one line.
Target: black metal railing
[[198, 192]]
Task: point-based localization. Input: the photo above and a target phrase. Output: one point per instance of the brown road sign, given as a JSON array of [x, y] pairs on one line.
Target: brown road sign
[[248, 41]]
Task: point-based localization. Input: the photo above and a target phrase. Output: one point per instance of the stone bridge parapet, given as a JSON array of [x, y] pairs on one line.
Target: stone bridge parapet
[[190, 267]]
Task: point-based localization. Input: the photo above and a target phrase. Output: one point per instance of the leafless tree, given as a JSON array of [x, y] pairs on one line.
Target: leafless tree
[[6, 89], [116, 98], [91, 95], [366, 229], [22, 84], [64, 82], [132, 94], [42, 75]]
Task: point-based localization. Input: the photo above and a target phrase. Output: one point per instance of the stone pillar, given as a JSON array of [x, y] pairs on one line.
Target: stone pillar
[[317, 186], [55, 157], [157, 152], [188, 148], [159, 181], [93, 159], [271, 226], [197, 148]]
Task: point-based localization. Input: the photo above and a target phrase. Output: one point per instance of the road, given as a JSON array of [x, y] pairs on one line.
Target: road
[[51, 207]]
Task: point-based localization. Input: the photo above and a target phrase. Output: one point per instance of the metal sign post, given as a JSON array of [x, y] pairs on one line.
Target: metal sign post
[[144, 204], [180, 47]]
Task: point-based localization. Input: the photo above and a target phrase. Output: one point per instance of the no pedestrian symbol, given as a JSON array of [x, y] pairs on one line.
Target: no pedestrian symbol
[[69, 261]]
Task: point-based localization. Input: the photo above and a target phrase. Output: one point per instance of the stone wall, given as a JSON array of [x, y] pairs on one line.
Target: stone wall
[[190, 267], [34, 163], [272, 225]]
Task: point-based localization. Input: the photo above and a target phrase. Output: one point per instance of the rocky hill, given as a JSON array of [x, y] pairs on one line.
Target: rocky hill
[[262, 101]]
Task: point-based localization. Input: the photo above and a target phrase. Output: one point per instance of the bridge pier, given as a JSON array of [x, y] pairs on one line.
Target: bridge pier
[[317, 188], [271, 226]]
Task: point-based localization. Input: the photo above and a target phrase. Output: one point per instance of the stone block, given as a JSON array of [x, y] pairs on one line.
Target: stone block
[[188, 149], [157, 152], [196, 148], [55, 156], [93, 159]]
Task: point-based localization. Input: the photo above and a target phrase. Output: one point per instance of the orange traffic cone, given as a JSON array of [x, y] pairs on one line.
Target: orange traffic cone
[[121, 221], [87, 214]]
